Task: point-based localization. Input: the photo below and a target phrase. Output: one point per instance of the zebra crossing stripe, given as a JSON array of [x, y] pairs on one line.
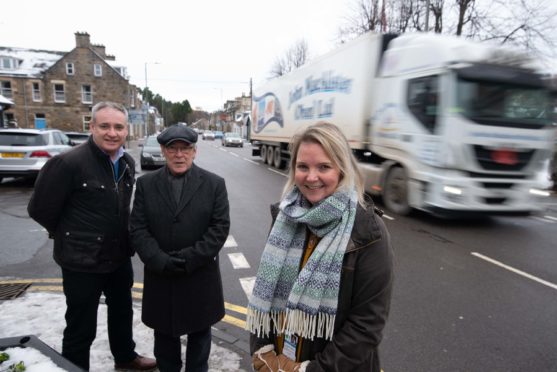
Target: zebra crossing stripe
[[247, 285], [238, 261], [230, 242]]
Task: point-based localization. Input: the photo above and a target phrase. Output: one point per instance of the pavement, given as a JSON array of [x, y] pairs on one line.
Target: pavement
[[40, 313]]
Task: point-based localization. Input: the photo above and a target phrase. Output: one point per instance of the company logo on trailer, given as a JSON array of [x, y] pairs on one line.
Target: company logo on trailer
[[266, 109]]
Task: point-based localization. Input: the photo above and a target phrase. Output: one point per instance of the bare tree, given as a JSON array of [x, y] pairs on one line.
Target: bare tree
[[295, 57], [436, 7], [364, 16], [528, 24], [465, 14]]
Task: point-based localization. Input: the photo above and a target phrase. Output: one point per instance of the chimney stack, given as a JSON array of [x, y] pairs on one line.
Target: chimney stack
[[82, 40], [100, 50]]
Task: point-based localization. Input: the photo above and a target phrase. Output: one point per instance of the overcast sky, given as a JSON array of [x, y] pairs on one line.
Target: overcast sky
[[207, 50]]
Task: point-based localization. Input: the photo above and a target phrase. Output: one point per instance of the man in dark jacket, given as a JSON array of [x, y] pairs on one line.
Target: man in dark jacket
[[82, 198], [179, 223]]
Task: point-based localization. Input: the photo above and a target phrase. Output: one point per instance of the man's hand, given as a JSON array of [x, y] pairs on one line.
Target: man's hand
[[180, 253], [286, 364], [265, 359], [175, 265]]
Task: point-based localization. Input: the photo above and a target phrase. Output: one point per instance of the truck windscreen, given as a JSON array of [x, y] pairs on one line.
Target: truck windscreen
[[505, 104]]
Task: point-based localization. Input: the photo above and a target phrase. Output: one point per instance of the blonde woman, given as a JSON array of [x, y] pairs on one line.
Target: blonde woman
[[323, 288]]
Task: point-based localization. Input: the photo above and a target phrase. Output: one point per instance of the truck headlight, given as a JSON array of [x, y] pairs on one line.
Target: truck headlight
[[539, 192], [453, 193]]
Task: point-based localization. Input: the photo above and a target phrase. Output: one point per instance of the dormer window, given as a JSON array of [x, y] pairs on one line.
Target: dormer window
[[98, 69], [70, 68], [8, 63]]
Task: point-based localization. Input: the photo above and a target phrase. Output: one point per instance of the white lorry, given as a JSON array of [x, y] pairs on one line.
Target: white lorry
[[438, 123]]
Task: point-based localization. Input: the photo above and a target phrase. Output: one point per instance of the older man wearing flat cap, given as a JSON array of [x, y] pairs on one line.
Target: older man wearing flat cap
[[179, 223]]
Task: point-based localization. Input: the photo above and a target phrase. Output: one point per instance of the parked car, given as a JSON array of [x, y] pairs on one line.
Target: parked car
[[23, 152], [208, 135], [151, 156], [232, 139], [218, 134], [78, 137]]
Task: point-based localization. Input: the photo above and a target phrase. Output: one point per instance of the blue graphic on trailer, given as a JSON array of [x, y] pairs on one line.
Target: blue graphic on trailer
[[266, 110]]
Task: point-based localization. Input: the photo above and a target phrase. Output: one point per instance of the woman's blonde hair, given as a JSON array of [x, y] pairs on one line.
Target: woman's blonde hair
[[336, 146]]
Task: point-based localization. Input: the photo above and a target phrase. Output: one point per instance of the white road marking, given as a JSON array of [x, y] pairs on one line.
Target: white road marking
[[230, 242], [234, 154], [238, 260], [388, 217], [546, 219], [247, 285], [251, 161], [277, 172], [516, 271]]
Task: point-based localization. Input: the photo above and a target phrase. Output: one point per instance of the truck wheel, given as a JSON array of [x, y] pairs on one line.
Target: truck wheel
[[395, 194], [263, 153], [270, 155], [277, 158]]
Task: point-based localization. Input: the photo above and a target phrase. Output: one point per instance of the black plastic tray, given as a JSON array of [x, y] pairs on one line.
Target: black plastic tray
[[35, 343]]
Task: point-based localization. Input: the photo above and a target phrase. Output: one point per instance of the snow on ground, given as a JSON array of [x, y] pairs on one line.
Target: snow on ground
[[42, 314]]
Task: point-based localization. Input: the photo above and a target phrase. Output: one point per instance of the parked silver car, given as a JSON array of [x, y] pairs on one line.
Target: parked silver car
[[23, 152], [78, 137], [232, 139], [151, 156]]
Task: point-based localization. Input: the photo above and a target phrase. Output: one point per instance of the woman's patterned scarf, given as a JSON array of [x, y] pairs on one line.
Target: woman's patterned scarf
[[302, 302]]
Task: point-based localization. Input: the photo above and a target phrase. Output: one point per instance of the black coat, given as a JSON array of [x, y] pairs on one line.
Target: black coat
[[178, 304], [77, 200]]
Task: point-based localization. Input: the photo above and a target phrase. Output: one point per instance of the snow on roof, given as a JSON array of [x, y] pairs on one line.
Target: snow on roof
[[5, 101], [31, 62]]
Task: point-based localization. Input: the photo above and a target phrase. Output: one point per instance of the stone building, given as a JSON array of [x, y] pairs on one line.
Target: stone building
[[52, 89], [236, 112]]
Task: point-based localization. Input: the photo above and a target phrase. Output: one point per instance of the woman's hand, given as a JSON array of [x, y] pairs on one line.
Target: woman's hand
[[265, 359], [286, 364]]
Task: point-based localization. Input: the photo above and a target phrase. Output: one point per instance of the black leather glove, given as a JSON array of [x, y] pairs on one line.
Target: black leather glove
[[175, 265], [180, 253]]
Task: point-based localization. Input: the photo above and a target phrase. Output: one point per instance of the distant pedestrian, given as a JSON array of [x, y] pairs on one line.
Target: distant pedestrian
[[179, 223], [323, 288], [82, 198]]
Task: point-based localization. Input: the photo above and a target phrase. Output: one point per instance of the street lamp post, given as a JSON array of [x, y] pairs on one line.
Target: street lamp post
[[146, 97]]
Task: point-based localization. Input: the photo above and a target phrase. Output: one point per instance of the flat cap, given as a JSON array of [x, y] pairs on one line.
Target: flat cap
[[177, 132]]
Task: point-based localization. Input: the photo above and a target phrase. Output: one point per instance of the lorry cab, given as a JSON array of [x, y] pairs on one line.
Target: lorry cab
[[464, 126]]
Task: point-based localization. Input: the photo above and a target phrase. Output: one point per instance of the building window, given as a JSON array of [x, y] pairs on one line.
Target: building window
[[37, 97], [59, 93], [86, 94], [69, 68], [6, 89], [98, 69], [9, 120], [86, 121], [7, 63]]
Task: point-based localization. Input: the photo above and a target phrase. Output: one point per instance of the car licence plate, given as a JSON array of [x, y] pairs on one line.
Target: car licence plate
[[12, 154]]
